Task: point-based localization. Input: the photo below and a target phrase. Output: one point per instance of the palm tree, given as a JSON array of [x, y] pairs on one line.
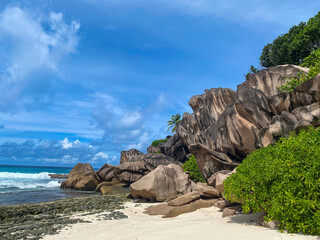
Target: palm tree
[[173, 123]]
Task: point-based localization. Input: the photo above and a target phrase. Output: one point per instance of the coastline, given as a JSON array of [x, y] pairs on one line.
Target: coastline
[[33, 221], [205, 223]]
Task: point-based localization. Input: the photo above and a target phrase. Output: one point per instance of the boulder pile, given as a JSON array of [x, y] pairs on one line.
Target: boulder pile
[[227, 125]]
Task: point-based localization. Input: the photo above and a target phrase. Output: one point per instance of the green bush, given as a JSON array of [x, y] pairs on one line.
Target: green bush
[[192, 167], [282, 180], [312, 62], [157, 142]]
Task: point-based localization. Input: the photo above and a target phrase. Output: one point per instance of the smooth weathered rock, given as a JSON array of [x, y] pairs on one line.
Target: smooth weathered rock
[[222, 204], [171, 211], [184, 199], [220, 177], [127, 156], [175, 148], [106, 173], [82, 177], [159, 209], [213, 178], [230, 211], [153, 149], [206, 191], [163, 183], [226, 126], [267, 224], [140, 165], [58, 176], [100, 185], [104, 190]]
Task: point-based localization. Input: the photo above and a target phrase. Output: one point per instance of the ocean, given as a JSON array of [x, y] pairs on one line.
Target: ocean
[[32, 184]]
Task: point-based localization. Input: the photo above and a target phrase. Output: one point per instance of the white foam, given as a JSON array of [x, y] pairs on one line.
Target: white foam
[[28, 184], [10, 175]]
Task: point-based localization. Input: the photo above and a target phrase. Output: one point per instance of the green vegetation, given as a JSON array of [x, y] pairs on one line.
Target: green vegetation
[[175, 120], [156, 143], [294, 46], [282, 180], [252, 70], [192, 167], [312, 62]]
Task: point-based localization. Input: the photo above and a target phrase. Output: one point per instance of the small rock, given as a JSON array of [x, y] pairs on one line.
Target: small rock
[[184, 199]]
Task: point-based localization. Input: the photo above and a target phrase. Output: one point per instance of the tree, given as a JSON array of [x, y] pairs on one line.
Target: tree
[[252, 70], [294, 46], [175, 120]]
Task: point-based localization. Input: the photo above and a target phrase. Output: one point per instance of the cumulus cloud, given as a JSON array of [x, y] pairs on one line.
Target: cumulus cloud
[[58, 152], [31, 48], [125, 126], [66, 144]]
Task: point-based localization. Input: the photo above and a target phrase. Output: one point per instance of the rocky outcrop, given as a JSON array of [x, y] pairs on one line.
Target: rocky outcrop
[[140, 165], [106, 173], [168, 211], [126, 156], [153, 149], [175, 148], [58, 176], [226, 125], [163, 183], [82, 177]]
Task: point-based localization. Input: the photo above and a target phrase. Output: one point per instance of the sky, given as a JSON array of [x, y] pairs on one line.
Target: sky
[[83, 80]]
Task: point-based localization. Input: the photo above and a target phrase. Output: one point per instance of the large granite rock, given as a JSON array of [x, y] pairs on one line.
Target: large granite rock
[[163, 183], [126, 156], [226, 125], [175, 148], [82, 177], [153, 149], [140, 165], [106, 173]]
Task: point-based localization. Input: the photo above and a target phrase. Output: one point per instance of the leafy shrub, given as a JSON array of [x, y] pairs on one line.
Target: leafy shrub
[[252, 70], [312, 62], [157, 142], [282, 180], [192, 167]]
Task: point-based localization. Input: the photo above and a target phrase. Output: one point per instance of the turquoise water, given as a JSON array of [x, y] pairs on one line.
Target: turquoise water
[[30, 184]]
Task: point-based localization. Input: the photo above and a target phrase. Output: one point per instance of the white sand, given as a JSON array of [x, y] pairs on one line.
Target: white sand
[[205, 223]]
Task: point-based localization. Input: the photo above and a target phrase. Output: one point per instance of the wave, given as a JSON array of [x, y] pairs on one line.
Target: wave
[[12, 186], [11, 175]]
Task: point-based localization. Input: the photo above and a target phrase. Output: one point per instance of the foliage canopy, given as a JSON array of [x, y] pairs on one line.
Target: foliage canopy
[[173, 122], [282, 180], [156, 143], [312, 62], [294, 46], [192, 167]]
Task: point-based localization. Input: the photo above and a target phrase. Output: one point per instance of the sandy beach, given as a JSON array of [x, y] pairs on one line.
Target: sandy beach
[[205, 223]]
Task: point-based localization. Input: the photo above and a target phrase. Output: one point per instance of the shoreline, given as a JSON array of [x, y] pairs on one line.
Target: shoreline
[[202, 224], [116, 217], [35, 220]]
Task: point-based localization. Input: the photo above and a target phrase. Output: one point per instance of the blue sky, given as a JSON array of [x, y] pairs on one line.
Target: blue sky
[[81, 80]]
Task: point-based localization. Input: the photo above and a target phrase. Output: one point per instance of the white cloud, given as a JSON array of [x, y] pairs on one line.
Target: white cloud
[[32, 46], [66, 144], [130, 119]]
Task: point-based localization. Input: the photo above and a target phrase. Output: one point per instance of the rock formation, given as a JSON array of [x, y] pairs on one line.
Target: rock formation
[[126, 156], [106, 173], [175, 148], [226, 125], [82, 177], [140, 165], [163, 183]]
